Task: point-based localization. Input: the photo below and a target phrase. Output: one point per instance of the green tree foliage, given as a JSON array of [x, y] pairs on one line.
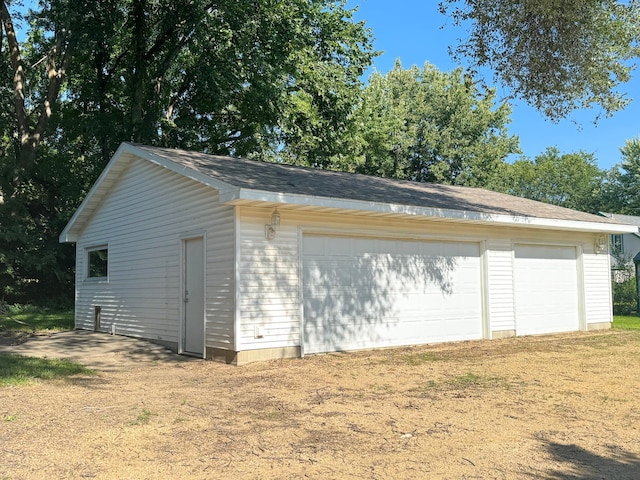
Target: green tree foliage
[[32, 77], [623, 285], [242, 78], [621, 184], [629, 177], [263, 78], [557, 55], [430, 126], [571, 180], [36, 190]]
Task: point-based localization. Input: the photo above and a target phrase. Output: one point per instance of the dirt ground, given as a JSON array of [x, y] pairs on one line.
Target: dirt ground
[[553, 407]]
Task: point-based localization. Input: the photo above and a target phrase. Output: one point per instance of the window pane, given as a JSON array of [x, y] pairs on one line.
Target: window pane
[[98, 261], [616, 244]]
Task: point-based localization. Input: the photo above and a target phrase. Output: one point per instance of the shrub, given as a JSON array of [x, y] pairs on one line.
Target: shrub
[[625, 296], [623, 285]]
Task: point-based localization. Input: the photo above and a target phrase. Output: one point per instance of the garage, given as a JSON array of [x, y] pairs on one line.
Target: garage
[[302, 260], [363, 292], [546, 289]]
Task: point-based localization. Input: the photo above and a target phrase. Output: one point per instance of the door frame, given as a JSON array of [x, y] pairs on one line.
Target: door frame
[[579, 272], [183, 281], [385, 235]]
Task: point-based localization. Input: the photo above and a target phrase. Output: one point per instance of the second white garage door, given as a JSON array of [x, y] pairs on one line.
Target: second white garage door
[[546, 289], [370, 292]]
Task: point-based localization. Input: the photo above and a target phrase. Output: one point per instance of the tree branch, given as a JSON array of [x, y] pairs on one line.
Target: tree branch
[[166, 63], [30, 137], [18, 76], [55, 76]]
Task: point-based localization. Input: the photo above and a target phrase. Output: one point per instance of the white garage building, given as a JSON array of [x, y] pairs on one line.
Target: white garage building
[[239, 260]]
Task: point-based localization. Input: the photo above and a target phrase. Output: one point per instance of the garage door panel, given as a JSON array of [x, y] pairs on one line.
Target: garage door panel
[[546, 289], [382, 332], [545, 252], [389, 292]]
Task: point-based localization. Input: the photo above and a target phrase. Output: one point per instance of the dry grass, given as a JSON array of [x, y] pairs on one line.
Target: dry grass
[[560, 407]]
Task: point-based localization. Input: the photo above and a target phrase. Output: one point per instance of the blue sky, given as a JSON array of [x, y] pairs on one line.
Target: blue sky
[[414, 31]]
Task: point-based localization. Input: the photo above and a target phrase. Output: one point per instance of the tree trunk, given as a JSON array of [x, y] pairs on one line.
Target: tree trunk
[[140, 72], [29, 137]]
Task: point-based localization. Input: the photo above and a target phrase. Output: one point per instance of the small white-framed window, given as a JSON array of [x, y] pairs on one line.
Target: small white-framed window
[[97, 261], [617, 245]]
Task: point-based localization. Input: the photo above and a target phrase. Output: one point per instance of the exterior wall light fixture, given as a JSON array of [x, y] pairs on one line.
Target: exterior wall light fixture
[[270, 229], [601, 243]]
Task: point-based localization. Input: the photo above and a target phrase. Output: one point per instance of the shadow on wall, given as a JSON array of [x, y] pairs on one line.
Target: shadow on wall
[[585, 465], [269, 293], [368, 298], [359, 292], [125, 312]]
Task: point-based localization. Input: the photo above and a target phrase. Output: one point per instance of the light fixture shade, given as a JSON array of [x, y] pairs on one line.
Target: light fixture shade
[[275, 218], [602, 241]]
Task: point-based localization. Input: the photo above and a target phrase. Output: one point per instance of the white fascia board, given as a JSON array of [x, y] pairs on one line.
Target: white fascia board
[[67, 234], [441, 213]]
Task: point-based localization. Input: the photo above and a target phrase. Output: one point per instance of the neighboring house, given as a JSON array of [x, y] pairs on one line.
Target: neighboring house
[[624, 247], [240, 260]]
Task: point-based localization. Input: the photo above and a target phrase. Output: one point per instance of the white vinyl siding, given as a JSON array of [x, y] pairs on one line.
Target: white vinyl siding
[[143, 219], [546, 289], [597, 286], [363, 292], [500, 287], [631, 245], [270, 285], [268, 297]]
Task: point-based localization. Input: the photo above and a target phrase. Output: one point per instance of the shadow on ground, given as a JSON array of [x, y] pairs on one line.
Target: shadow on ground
[[585, 465], [96, 350]]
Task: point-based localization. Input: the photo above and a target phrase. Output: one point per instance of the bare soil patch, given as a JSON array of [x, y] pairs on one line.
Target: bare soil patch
[[554, 407], [8, 337]]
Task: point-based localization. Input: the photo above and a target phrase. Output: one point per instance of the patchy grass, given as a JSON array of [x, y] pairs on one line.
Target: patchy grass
[[605, 342], [20, 370], [274, 414], [472, 380], [412, 358], [421, 358], [380, 388], [27, 318], [626, 322], [143, 418], [469, 381]]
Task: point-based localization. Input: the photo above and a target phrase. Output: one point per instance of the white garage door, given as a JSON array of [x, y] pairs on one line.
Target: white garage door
[[546, 289], [368, 292]]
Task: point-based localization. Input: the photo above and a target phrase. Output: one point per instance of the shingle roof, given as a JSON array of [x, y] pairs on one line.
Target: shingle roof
[[281, 178], [630, 219]]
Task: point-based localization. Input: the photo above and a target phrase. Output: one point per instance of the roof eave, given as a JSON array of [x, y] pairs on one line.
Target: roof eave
[[243, 196], [74, 225], [109, 175]]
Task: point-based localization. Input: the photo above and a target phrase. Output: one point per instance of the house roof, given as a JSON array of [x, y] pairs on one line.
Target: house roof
[[250, 182], [630, 219]]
